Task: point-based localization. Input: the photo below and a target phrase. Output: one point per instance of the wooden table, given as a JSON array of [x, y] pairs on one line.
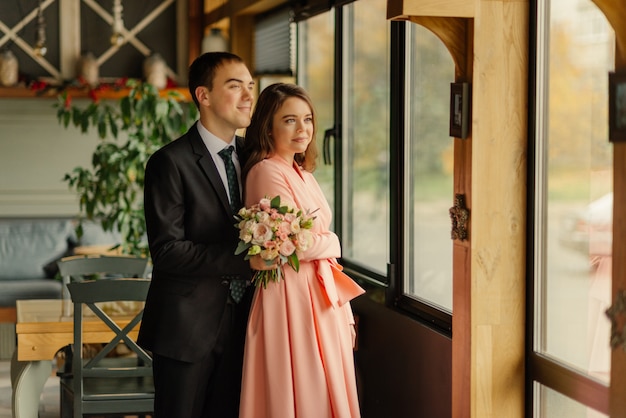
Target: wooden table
[[42, 330], [103, 249]]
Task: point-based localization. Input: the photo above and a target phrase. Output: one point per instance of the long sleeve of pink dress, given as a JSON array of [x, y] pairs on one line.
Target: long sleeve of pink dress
[[298, 360]]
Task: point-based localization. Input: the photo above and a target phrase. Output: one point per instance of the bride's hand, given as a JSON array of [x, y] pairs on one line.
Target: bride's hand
[[257, 263]]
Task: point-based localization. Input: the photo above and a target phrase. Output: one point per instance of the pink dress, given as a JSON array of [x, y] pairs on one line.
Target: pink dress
[[298, 360]]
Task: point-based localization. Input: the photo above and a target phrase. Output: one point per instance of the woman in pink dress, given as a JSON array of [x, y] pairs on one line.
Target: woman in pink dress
[[298, 360]]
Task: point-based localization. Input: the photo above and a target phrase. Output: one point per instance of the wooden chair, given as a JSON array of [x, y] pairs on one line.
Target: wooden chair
[[101, 384], [85, 267]]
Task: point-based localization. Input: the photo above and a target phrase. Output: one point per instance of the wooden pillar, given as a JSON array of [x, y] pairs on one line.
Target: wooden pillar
[[498, 240], [242, 38], [196, 28]]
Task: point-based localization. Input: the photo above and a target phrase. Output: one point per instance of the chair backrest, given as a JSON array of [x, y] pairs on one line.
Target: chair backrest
[[104, 384], [81, 266], [77, 268]]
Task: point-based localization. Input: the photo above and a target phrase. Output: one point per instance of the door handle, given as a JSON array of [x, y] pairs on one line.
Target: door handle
[[328, 134]]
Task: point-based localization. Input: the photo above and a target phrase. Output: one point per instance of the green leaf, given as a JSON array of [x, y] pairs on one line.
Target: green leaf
[[76, 116], [294, 262], [125, 109], [242, 247], [84, 123], [161, 110], [102, 128], [113, 126]]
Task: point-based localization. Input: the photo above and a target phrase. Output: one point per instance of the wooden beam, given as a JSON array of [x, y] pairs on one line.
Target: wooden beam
[[453, 32], [615, 13], [402, 9]]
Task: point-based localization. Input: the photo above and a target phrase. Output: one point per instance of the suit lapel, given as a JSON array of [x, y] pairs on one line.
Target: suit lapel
[[206, 164]]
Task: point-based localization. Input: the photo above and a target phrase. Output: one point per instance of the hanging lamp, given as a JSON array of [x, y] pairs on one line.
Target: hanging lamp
[[117, 38], [214, 41], [40, 48]]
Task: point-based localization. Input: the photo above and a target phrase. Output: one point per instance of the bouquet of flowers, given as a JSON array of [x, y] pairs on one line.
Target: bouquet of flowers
[[277, 233]]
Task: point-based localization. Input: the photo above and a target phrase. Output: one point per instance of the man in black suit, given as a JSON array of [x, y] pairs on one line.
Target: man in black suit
[[192, 325]]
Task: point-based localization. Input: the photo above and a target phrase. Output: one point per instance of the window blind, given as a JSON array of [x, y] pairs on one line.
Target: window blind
[[274, 44]]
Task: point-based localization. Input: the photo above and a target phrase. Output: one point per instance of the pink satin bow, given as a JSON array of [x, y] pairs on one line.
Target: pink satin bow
[[339, 287]]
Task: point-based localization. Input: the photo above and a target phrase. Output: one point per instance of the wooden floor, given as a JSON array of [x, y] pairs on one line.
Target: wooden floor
[[49, 405]]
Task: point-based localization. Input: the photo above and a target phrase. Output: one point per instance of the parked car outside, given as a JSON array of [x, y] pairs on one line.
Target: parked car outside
[[590, 230]]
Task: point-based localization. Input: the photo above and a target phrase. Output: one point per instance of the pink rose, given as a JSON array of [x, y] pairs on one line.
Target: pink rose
[[284, 229], [287, 248], [265, 204], [304, 239], [263, 217], [295, 227], [261, 233]]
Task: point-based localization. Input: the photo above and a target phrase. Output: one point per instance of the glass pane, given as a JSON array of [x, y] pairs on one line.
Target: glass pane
[[553, 404], [315, 74], [577, 186], [430, 169], [366, 133]]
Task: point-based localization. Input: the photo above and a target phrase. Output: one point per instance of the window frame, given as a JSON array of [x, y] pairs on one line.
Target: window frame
[[391, 283], [542, 369]]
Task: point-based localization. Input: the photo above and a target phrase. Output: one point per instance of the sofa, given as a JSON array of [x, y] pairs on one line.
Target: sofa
[[29, 249]]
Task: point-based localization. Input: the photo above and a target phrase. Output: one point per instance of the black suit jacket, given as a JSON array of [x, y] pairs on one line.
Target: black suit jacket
[[192, 240]]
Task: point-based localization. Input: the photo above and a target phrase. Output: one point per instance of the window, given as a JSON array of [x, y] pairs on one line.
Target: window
[[365, 135], [573, 208], [429, 155], [354, 122], [350, 46], [316, 74]]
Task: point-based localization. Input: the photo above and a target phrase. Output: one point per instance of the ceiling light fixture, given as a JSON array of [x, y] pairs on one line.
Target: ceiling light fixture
[[214, 40]]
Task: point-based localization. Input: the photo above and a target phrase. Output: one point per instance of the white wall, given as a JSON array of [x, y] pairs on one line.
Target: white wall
[[35, 153]]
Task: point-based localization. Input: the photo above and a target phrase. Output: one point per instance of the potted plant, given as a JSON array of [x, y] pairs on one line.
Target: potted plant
[[111, 189]]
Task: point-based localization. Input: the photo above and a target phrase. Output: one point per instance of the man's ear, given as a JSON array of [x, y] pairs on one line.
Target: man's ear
[[202, 94]]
